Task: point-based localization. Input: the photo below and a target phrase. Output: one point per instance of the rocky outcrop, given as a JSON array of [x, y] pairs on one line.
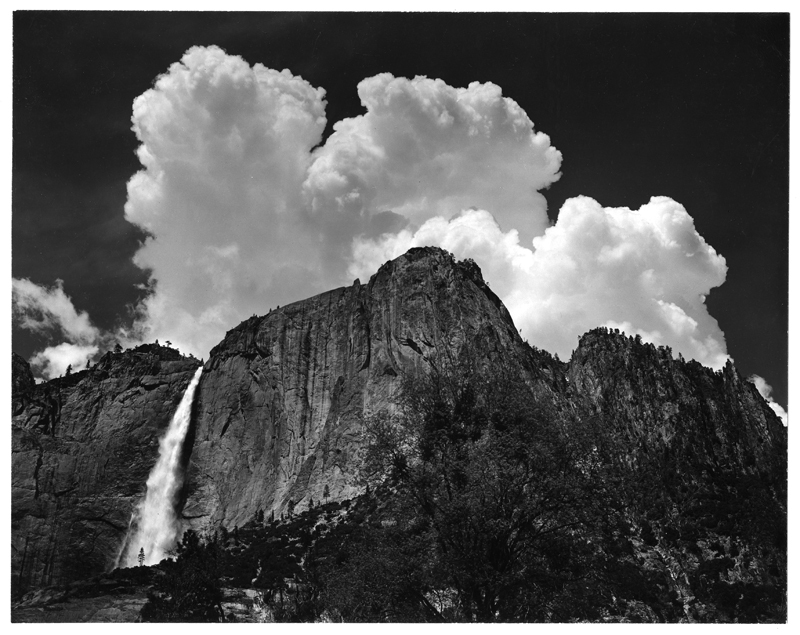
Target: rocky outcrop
[[82, 447], [279, 413], [281, 403], [703, 475], [282, 400], [22, 382], [117, 596], [710, 418]]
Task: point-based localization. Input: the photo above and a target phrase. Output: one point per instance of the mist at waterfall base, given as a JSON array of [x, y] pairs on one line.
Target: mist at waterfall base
[[154, 525]]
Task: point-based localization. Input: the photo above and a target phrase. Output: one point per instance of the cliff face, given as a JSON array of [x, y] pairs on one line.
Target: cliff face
[[282, 398], [702, 471], [279, 412], [706, 417], [82, 447]]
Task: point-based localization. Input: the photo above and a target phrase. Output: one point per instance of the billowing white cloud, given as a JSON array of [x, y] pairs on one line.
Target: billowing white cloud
[[225, 149], [244, 214], [646, 271], [426, 149], [246, 210], [54, 361], [43, 310], [765, 390], [50, 312]]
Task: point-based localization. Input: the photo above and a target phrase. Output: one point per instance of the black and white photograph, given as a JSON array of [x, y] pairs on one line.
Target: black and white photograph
[[472, 315]]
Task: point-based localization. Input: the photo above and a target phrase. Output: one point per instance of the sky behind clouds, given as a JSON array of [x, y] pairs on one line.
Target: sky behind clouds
[[643, 156]]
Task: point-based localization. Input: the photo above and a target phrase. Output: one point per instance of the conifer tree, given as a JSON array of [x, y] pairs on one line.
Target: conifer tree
[[190, 591]]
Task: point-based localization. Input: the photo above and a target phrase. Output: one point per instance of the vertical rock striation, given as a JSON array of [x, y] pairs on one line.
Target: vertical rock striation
[[707, 417], [281, 402], [82, 447], [702, 474], [278, 417]]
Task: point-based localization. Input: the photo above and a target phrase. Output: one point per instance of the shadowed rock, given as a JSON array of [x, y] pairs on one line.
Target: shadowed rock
[[82, 447], [282, 399], [279, 411]]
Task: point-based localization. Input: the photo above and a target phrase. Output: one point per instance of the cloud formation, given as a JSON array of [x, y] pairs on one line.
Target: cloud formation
[[244, 214], [54, 361], [765, 390], [246, 210], [645, 271], [49, 312], [225, 149], [426, 149]]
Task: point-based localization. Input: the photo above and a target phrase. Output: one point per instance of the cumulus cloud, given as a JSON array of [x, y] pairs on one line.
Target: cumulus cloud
[[43, 310], [50, 312], [244, 213], [426, 149], [225, 149], [765, 390], [245, 209], [53, 361], [645, 271]]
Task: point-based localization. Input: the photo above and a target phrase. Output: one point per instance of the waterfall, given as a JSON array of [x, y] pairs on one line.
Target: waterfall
[[154, 524]]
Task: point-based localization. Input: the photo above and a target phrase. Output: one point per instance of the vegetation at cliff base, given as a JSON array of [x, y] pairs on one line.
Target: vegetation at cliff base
[[189, 589], [488, 501]]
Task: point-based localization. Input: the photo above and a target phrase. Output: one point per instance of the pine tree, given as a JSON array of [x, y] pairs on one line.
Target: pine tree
[[191, 590], [504, 515]]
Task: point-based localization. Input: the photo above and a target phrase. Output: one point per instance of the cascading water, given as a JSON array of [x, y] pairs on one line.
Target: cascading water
[[154, 526]]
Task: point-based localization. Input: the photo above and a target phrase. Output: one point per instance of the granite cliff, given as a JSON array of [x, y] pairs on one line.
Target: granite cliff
[[279, 413], [82, 447], [703, 479], [282, 397]]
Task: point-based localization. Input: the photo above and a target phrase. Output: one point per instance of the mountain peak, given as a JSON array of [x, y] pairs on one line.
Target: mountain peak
[[279, 413]]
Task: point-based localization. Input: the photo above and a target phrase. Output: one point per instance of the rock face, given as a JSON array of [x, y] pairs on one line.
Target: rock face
[[279, 411], [22, 381], [707, 418], [704, 478], [282, 398], [82, 447]]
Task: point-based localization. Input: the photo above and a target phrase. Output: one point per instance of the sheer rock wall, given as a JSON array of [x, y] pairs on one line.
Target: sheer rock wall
[[81, 449], [282, 400], [279, 411]]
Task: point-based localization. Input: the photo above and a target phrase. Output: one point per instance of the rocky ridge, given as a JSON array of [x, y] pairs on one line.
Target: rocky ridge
[[705, 465], [279, 411], [282, 398], [82, 447]]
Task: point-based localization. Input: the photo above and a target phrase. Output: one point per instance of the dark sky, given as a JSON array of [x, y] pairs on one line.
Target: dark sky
[[694, 107]]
